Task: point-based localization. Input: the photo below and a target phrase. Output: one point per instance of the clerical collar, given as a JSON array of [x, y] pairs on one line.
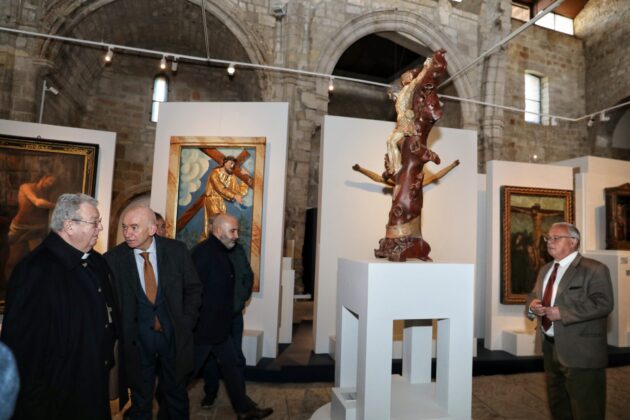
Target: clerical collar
[[85, 255]]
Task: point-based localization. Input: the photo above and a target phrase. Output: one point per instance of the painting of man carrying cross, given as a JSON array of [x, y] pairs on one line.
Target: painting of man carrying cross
[[214, 175]]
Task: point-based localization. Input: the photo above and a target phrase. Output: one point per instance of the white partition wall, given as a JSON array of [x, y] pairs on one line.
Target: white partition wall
[[507, 328], [235, 119], [353, 209], [106, 142], [593, 175]]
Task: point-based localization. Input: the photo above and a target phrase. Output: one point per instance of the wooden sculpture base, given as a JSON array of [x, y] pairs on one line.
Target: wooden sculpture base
[[399, 249]]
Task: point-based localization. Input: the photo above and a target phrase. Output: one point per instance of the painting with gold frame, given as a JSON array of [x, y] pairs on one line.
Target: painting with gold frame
[[192, 191], [32, 166], [618, 217], [526, 215]]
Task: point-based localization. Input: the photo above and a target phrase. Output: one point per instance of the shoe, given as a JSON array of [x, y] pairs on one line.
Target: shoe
[[255, 413], [207, 402]]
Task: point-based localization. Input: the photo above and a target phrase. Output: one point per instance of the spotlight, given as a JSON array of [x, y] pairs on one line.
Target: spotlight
[[331, 85], [231, 70], [591, 121], [109, 55], [174, 65], [163, 62], [554, 121], [603, 117]]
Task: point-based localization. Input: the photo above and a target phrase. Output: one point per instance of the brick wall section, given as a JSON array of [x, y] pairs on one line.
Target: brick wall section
[[560, 59]]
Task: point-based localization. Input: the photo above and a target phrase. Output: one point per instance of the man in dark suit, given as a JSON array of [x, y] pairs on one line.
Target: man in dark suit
[[572, 298], [212, 333], [159, 295], [61, 319]]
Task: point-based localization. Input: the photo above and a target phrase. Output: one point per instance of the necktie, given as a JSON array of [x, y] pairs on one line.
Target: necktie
[[150, 285], [546, 301]]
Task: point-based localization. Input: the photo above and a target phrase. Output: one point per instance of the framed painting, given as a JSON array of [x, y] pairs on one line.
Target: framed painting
[[33, 173], [212, 175], [618, 217], [526, 215]]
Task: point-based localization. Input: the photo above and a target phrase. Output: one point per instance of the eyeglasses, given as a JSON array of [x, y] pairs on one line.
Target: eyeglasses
[[555, 238], [94, 223]]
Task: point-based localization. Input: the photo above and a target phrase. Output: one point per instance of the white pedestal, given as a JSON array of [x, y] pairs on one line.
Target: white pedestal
[[285, 331], [371, 295], [252, 346], [618, 263]]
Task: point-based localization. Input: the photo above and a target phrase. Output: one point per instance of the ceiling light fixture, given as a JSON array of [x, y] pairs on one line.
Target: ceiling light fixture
[[163, 62], [591, 121], [109, 55], [331, 85], [603, 117], [231, 70], [174, 65]]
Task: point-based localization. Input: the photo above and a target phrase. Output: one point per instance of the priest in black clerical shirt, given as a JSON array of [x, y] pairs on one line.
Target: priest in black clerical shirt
[[60, 319]]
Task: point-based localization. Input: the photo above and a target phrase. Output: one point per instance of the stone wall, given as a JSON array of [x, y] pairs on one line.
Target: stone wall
[[559, 60]]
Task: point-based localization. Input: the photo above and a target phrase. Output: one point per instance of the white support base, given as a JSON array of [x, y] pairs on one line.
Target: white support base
[[371, 295], [252, 346], [287, 281], [520, 343]]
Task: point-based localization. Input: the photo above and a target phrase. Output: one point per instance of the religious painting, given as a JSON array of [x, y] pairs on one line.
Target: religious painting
[[33, 173], [213, 175], [526, 216], [618, 217]]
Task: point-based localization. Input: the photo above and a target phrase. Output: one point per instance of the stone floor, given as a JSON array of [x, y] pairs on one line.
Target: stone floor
[[496, 397]]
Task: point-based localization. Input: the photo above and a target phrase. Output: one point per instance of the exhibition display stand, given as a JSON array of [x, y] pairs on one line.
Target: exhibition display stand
[[371, 295]]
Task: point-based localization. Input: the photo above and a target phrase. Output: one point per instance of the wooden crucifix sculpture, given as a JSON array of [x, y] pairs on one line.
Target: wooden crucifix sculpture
[[418, 108], [228, 181]]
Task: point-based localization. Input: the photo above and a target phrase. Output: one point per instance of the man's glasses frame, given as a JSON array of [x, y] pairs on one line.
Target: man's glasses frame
[[555, 238], [94, 223]]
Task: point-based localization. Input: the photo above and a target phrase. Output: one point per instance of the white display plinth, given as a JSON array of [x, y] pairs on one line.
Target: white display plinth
[[371, 295], [287, 281]]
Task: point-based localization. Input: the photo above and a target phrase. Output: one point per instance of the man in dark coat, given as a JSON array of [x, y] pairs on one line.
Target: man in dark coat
[[212, 333], [243, 282], [159, 294], [59, 319]]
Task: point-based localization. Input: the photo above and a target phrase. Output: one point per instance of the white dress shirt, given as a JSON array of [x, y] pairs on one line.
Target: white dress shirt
[[562, 268], [140, 263]]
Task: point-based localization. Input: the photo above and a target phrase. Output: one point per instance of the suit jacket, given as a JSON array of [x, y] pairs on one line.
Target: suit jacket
[[584, 298], [181, 289], [217, 276], [56, 324]]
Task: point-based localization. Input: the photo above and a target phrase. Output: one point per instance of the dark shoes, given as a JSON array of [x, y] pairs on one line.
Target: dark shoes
[[207, 402], [255, 413]]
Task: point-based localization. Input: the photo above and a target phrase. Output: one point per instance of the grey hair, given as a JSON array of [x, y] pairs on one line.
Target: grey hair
[[67, 207], [571, 230]]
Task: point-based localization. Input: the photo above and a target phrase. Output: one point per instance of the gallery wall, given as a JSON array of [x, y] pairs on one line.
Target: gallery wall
[[502, 318], [236, 119], [353, 209], [106, 142]]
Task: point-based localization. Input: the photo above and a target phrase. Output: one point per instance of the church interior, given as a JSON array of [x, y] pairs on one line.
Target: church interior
[[536, 100]]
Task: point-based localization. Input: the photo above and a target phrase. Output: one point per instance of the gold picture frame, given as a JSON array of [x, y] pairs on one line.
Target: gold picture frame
[[25, 162], [192, 159], [526, 215]]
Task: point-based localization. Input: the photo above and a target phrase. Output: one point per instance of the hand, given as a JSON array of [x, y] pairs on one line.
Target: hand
[[537, 308], [552, 313]]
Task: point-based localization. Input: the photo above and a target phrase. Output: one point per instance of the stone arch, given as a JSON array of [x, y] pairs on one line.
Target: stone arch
[[411, 24], [231, 16]]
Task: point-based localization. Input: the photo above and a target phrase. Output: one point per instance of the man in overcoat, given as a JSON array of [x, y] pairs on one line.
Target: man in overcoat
[[60, 319], [159, 295], [572, 298]]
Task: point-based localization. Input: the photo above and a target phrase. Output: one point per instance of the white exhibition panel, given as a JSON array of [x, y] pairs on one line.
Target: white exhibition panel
[[353, 210], [594, 175], [106, 142], [511, 318], [238, 119], [618, 263], [374, 293]]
